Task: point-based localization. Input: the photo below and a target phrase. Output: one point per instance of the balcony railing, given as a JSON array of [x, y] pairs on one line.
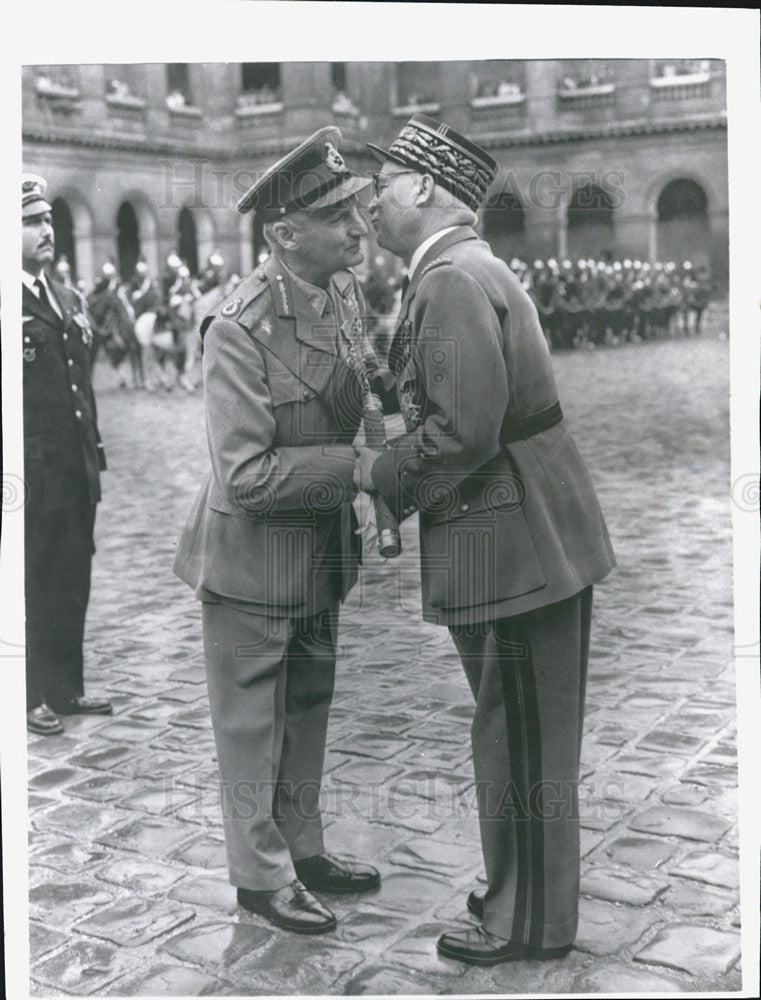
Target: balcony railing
[[416, 108], [57, 97], [246, 111], [591, 95], [681, 86], [499, 100]]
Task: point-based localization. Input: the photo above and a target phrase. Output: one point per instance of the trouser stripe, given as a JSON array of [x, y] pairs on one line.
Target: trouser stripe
[[525, 751]]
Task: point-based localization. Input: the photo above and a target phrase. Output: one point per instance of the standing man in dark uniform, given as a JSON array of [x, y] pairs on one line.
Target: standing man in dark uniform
[[63, 458], [270, 546], [511, 534]]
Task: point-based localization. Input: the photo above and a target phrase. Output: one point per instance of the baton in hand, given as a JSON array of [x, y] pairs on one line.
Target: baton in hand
[[389, 539]]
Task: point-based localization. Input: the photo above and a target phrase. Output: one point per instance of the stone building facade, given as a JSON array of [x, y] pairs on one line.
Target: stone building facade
[[604, 159]]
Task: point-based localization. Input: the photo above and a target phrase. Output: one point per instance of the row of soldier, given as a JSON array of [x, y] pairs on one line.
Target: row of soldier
[[148, 329], [590, 303]]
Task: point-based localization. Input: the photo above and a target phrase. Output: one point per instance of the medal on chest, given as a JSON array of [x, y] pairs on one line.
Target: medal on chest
[[410, 409]]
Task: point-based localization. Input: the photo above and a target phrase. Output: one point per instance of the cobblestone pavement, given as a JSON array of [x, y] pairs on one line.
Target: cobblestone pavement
[[128, 885]]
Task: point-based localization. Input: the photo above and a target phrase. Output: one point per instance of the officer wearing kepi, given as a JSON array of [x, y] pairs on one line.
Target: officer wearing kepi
[[270, 547], [511, 534], [63, 458]]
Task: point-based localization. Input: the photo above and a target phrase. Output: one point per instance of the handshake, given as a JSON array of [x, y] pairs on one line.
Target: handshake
[[363, 464]]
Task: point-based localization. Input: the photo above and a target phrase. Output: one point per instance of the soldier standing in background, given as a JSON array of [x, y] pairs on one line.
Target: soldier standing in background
[[63, 458]]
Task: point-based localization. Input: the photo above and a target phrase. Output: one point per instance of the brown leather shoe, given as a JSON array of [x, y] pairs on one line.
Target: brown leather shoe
[[476, 946], [43, 721], [292, 908], [82, 705], [327, 873]]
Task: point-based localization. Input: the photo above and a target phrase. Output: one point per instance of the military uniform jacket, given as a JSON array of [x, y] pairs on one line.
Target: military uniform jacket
[[509, 519], [63, 453], [273, 523]]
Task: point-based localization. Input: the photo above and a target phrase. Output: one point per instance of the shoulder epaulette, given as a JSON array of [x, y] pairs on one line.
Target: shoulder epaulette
[[246, 292], [234, 305]]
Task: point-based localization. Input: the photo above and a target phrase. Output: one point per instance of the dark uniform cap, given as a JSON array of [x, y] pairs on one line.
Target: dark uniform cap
[[457, 164], [33, 190], [313, 175]]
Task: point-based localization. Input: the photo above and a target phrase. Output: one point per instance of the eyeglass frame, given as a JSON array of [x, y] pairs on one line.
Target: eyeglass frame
[[376, 178]]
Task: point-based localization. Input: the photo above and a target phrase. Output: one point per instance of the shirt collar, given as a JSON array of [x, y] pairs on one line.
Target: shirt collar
[[29, 280], [425, 245]]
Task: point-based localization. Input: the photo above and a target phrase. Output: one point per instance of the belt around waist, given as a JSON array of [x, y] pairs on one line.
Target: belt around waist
[[525, 427]]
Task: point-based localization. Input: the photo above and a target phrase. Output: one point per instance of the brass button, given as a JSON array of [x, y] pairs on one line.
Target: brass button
[[66, 336], [73, 387], [464, 507], [78, 414], [71, 363]]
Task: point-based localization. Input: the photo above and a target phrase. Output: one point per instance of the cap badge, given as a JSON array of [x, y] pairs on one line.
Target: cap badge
[[334, 160]]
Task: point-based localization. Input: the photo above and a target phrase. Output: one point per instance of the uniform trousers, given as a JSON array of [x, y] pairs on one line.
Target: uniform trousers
[[528, 676], [58, 557], [270, 683]]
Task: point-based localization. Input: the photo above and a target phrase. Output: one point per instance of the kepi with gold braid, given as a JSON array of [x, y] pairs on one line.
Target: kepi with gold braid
[[457, 164]]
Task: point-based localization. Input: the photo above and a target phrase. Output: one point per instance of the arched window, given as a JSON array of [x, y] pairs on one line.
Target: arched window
[[417, 84], [187, 241], [178, 83], [261, 81], [127, 239], [503, 214], [591, 229], [681, 197], [504, 225], [683, 231], [63, 226]]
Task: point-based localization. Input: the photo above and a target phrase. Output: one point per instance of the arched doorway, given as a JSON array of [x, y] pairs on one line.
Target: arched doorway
[[127, 239], [63, 227], [683, 232], [187, 239], [591, 229], [504, 225]]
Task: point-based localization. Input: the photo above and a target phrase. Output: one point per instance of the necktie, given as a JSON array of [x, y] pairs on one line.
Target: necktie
[[45, 299], [405, 285]]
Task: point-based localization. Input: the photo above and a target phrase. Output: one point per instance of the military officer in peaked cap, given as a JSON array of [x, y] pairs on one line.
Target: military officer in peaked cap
[[270, 547], [63, 458], [511, 534]]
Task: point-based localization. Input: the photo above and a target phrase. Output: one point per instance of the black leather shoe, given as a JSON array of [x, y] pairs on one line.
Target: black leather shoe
[[477, 946], [44, 721], [86, 706], [476, 904], [327, 873], [292, 908]]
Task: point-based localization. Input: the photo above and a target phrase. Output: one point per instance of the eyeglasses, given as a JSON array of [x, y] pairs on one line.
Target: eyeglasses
[[381, 183]]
